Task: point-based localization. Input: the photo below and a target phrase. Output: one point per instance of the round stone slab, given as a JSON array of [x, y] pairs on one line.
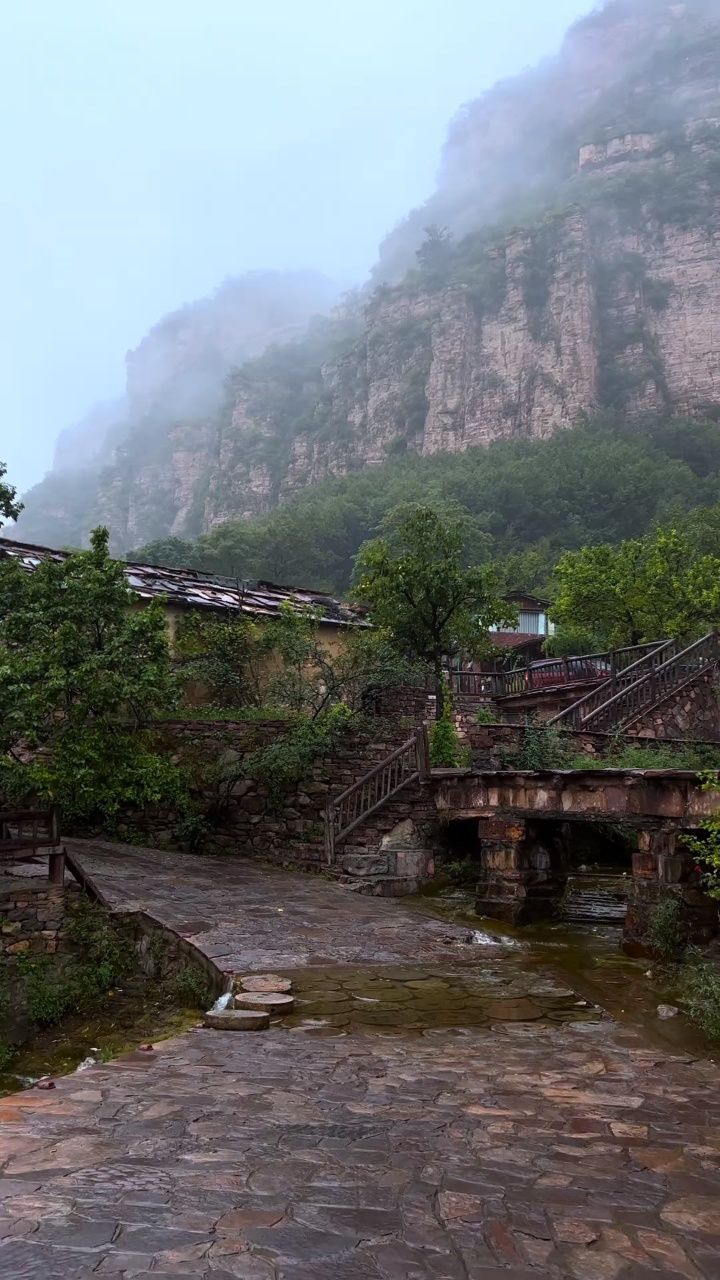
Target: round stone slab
[[264, 982], [270, 1001], [237, 1020]]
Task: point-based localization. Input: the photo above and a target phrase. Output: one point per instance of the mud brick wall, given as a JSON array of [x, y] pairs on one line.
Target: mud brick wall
[[33, 917]]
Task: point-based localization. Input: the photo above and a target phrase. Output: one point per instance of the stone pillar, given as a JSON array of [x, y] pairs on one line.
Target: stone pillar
[[523, 875], [661, 867], [660, 857]]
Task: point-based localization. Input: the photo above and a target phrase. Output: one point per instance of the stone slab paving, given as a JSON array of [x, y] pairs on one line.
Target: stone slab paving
[[245, 916], [516, 1151]]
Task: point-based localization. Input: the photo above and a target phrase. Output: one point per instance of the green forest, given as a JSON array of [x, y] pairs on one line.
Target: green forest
[[524, 503]]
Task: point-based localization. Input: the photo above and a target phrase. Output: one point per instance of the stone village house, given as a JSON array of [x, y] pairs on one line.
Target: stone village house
[[183, 590]]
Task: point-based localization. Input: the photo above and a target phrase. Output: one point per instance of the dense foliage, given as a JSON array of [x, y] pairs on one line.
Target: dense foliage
[[526, 501], [419, 592], [664, 584], [10, 508], [81, 675]]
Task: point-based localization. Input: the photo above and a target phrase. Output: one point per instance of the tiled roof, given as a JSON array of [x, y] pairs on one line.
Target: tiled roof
[[193, 588], [514, 639]]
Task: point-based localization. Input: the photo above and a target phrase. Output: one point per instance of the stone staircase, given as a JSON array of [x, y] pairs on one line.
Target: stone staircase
[[384, 812], [628, 696]]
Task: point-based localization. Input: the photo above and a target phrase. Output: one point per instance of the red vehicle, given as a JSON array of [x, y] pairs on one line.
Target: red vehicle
[[555, 671]]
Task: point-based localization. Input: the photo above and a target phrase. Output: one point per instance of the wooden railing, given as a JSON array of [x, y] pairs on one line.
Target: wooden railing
[[24, 831], [347, 811], [579, 715], [547, 674], [669, 671]]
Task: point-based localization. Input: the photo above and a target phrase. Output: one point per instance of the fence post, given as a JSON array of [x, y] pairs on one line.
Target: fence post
[[56, 867], [329, 833], [422, 752]]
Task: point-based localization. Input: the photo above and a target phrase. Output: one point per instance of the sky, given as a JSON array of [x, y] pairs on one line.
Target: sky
[[150, 148]]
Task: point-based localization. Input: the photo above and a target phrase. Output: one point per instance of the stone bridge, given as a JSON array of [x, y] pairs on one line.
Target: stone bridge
[[524, 830]]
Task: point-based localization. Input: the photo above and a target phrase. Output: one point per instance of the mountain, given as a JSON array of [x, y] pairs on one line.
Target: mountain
[[129, 455], [568, 261]]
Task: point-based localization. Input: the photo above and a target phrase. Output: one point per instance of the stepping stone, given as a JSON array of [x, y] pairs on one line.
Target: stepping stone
[[237, 1020], [264, 982], [269, 1001]]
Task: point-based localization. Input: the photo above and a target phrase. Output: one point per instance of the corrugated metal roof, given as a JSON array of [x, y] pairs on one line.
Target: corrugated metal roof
[[193, 588]]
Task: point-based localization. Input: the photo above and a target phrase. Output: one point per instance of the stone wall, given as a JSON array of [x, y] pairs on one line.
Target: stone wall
[[245, 819], [493, 745], [33, 917], [691, 713]]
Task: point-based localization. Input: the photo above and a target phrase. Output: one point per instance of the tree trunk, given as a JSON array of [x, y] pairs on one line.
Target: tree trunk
[[439, 689]]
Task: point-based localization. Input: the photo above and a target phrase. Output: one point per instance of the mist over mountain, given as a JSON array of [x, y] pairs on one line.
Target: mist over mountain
[[175, 376], [567, 262]]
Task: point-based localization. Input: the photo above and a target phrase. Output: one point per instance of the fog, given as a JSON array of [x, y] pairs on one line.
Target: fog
[[153, 149]]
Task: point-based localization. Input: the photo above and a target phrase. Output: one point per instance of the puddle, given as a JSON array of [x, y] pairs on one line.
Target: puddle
[[587, 958], [123, 1022], [422, 999]]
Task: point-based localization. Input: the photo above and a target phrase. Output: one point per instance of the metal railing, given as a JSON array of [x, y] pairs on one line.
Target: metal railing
[[660, 679], [548, 673], [579, 715], [345, 812]]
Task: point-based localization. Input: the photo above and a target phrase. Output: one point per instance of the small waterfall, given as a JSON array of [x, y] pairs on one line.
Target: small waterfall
[[595, 898]]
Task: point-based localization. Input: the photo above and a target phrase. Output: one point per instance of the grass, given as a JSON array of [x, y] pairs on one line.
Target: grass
[[700, 993], [664, 932], [234, 714]]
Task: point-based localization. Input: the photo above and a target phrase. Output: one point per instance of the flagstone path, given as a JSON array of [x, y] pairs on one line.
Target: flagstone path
[[509, 1151]]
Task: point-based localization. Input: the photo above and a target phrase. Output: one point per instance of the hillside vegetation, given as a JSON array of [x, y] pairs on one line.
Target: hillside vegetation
[[524, 501]]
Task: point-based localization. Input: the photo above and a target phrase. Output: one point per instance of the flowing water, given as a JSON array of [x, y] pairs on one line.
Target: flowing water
[[571, 971], [589, 960]]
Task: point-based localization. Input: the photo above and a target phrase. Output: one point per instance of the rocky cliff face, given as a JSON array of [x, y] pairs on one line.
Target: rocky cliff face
[[584, 271]]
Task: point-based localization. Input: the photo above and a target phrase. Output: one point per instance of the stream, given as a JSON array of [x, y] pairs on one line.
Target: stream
[[554, 973]]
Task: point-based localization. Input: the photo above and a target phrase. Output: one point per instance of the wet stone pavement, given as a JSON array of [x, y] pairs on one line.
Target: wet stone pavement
[[428, 1110]]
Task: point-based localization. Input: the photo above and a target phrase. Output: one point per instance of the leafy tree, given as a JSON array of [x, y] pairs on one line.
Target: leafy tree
[[420, 593], [81, 675], [286, 663], [10, 508], [644, 589], [225, 656], [173, 553], [435, 255], [525, 501]]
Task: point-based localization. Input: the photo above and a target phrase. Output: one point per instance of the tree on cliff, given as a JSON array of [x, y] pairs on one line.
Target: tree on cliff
[[81, 675], [421, 594], [10, 508], [663, 585], [169, 553]]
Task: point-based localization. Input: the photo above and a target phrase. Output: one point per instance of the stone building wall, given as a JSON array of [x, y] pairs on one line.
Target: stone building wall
[[33, 917]]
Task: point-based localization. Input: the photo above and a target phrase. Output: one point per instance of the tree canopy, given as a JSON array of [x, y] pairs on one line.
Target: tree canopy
[[81, 674], [526, 502], [419, 592], [10, 507], [662, 585]]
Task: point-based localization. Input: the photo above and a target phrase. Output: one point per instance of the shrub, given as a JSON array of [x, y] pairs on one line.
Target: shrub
[[700, 988], [288, 761], [484, 715], [446, 749], [664, 932], [103, 956], [189, 987], [543, 748]]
